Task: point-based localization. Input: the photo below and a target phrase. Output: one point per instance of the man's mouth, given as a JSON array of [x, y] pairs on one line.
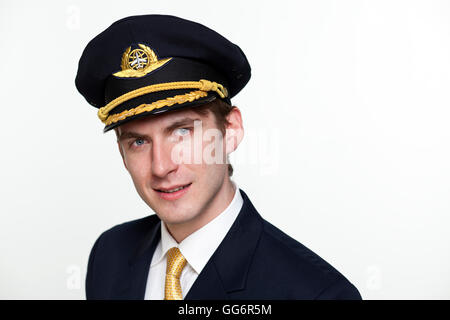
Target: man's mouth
[[172, 190], [172, 193]]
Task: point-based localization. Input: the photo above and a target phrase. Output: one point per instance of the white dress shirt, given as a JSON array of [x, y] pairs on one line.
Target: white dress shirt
[[197, 248]]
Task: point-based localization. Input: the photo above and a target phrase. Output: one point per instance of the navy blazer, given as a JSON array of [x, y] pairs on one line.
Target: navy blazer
[[255, 260]]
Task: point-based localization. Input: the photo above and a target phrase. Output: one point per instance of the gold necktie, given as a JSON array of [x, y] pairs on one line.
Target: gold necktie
[[175, 264]]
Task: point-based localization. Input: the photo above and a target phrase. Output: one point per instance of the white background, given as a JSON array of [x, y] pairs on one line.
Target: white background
[[346, 148]]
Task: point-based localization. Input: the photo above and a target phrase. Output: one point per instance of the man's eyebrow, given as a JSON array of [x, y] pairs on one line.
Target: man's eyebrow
[[130, 134], [179, 123], [182, 122]]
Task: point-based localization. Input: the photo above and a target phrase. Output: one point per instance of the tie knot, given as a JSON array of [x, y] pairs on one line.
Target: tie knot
[[175, 262]]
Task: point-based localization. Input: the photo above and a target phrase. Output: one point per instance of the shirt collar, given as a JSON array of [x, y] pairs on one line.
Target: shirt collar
[[198, 247]]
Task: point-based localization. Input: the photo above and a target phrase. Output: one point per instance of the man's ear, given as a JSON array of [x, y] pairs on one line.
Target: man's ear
[[234, 130], [121, 154]]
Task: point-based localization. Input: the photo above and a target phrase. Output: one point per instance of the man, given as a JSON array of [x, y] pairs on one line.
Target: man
[[163, 84]]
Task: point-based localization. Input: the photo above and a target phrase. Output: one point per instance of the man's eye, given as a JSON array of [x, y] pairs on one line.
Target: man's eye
[[139, 142], [183, 131]]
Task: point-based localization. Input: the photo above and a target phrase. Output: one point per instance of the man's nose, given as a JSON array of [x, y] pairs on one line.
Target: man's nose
[[162, 162]]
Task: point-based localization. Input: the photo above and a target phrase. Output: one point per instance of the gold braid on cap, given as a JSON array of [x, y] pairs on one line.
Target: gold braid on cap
[[203, 87]]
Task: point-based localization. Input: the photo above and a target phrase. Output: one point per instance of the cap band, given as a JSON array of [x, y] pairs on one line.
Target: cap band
[[147, 107], [202, 85]]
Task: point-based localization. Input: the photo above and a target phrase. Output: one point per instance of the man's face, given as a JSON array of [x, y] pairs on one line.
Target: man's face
[[175, 149]]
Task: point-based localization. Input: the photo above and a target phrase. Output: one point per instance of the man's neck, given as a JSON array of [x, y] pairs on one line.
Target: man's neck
[[222, 200]]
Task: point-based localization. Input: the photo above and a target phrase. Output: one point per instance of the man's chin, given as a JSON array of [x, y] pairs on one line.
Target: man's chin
[[172, 212], [175, 220]]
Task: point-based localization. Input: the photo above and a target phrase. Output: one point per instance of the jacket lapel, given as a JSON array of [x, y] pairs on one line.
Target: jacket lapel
[[227, 269], [135, 276]]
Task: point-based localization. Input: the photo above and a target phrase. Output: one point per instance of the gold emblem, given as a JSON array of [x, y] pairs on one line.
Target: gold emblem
[[138, 62], [137, 59]]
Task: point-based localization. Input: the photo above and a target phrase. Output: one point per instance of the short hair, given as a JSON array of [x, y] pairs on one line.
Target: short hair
[[220, 109]]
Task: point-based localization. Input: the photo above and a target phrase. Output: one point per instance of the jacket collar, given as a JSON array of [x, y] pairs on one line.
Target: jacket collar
[[227, 270]]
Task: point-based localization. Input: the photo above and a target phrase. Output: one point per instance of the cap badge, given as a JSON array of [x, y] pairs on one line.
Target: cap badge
[[138, 62]]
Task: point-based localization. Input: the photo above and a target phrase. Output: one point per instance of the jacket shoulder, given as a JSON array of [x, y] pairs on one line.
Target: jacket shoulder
[[305, 274], [132, 228], [111, 252], [122, 237]]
